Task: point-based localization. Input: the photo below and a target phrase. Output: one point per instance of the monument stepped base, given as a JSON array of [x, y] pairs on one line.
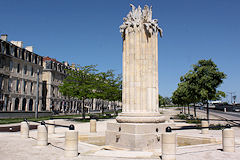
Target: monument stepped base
[[136, 136]]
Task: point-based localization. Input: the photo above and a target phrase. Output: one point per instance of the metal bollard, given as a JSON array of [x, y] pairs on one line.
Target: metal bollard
[[228, 139], [93, 125], [51, 128], [204, 124], [71, 142], [42, 135], [24, 129], [169, 145]]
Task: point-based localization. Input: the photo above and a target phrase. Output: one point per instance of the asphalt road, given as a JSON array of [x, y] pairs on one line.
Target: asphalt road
[[226, 115]]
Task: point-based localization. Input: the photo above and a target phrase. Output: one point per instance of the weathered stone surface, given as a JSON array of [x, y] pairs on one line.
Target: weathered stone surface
[[135, 136], [71, 143], [42, 135], [139, 125], [228, 140], [140, 68]]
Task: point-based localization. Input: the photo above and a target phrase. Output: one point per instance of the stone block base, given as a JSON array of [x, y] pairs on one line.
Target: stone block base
[[136, 136]]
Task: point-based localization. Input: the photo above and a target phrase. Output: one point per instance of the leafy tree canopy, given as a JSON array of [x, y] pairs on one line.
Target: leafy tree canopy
[[200, 84]]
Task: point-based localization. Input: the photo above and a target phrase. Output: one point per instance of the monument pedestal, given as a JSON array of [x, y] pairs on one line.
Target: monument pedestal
[[136, 136], [140, 117]]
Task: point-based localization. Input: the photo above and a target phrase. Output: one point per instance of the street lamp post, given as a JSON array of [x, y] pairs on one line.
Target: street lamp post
[[37, 96]]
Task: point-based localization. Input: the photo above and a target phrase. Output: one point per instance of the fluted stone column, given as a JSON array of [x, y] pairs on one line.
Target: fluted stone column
[[140, 69], [137, 127]]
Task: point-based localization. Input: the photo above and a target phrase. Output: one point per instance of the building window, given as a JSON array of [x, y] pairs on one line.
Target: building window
[[53, 92], [24, 86], [31, 87], [17, 85], [36, 59], [3, 48], [18, 68], [15, 52], [1, 62], [9, 85], [10, 65], [30, 57], [48, 64], [12, 50], [1, 80], [7, 49], [23, 54], [32, 71], [25, 69], [0, 47]]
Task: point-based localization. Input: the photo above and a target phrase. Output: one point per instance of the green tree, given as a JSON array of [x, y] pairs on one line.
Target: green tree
[[161, 100], [109, 87], [200, 84], [192, 94], [85, 83], [180, 95], [208, 79], [80, 84], [164, 100]]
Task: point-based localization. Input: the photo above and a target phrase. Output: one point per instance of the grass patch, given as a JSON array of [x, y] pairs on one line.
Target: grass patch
[[217, 126], [18, 120], [189, 120], [194, 121], [182, 116], [76, 118]]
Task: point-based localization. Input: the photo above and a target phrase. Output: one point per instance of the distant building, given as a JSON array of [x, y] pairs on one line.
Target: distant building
[[53, 75], [18, 82], [18, 76]]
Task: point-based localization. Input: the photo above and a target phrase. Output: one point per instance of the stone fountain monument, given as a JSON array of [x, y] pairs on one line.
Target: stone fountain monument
[[140, 124]]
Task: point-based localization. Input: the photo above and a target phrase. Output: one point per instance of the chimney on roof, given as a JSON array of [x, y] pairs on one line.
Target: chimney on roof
[[29, 48], [18, 43], [66, 63], [73, 65], [4, 37]]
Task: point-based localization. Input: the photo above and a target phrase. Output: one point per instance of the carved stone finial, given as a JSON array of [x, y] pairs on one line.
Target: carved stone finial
[[140, 18]]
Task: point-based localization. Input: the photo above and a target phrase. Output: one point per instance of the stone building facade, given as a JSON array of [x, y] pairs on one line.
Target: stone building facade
[[53, 75], [18, 76], [18, 82]]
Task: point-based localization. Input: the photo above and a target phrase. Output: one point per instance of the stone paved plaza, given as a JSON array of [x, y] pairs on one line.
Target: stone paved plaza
[[14, 147]]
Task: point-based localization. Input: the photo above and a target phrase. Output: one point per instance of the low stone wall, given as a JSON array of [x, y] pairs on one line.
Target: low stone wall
[[23, 114]]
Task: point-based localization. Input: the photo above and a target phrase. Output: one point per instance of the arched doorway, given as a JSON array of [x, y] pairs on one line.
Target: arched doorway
[[16, 104], [24, 104], [30, 108]]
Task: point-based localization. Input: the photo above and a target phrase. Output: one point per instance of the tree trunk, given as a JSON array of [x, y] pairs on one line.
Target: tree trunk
[[207, 111], [195, 113], [83, 109], [102, 107], [188, 109], [92, 104], [114, 108]]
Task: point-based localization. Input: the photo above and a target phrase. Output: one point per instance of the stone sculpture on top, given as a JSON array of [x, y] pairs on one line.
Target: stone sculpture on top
[[138, 17]]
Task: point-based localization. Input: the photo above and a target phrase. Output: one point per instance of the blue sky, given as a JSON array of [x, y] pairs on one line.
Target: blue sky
[[87, 32]]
